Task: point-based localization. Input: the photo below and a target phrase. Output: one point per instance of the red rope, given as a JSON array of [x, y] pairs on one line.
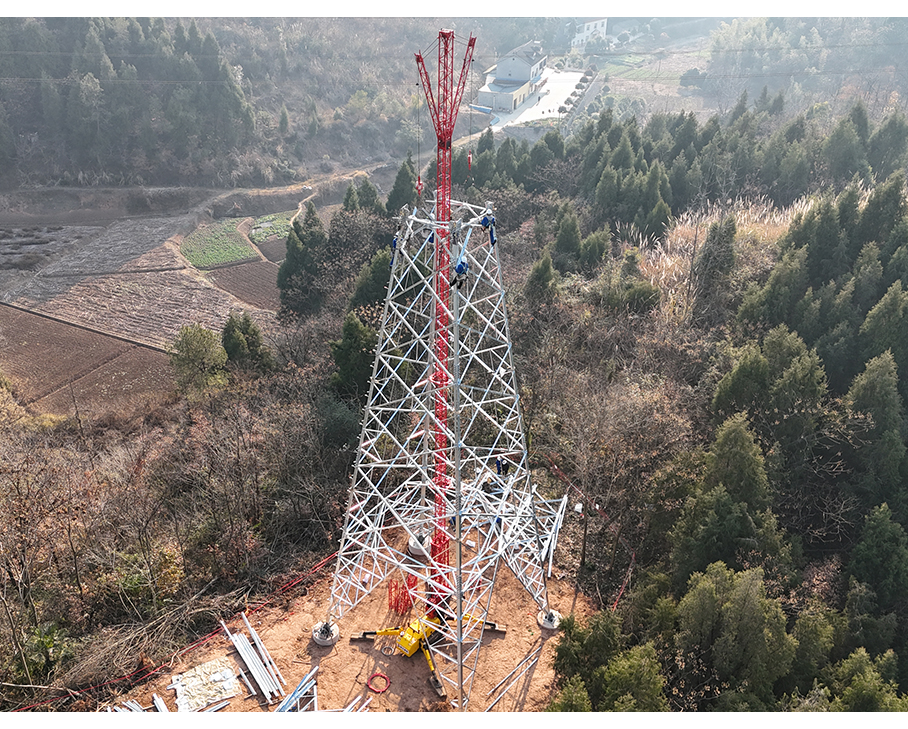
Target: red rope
[[612, 528], [200, 642], [378, 674]]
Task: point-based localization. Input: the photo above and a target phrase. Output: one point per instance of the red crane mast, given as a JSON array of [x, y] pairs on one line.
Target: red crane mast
[[443, 109]]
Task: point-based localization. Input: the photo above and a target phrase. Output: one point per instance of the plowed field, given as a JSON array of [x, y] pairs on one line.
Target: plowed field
[[274, 249], [43, 357], [255, 283]]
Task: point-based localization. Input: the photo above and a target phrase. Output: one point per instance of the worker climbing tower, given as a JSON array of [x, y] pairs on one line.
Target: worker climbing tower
[[441, 493]]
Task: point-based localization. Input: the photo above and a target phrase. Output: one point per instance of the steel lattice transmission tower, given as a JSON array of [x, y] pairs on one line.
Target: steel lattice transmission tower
[[441, 491]]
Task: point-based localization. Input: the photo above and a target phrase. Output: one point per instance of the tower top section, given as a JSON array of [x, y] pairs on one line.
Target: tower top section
[[444, 102]]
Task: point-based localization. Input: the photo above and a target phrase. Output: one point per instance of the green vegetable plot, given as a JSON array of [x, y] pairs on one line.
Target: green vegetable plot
[[216, 244], [270, 225]]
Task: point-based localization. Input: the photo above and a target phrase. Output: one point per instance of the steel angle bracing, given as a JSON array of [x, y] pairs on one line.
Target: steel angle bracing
[[442, 458], [393, 496]]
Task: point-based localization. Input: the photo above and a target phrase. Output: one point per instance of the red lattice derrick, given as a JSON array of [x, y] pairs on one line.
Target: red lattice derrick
[[400, 599], [443, 107]]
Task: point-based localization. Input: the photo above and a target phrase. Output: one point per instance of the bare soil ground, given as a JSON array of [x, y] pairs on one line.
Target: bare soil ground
[[39, 354], [132, 381], [286, 631], [274, 249], [254, 283], [43, 357]]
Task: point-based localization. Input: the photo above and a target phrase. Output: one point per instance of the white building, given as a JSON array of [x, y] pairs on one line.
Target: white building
[[515, 77], [587, 29]]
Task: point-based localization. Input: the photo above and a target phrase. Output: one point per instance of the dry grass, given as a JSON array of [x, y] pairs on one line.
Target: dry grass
[[667, 263], [138, 647]]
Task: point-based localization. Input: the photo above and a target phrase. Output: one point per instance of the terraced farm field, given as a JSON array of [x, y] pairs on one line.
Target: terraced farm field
[[216, 244], [276, 225], [97, 272], [255, 283], [43, 357], [125, 278]]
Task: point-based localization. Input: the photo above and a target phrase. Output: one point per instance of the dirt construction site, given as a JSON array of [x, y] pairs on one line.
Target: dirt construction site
[[513, 674]]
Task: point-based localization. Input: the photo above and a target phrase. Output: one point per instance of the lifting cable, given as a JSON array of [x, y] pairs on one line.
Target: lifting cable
[[418, 143], [470, 107]]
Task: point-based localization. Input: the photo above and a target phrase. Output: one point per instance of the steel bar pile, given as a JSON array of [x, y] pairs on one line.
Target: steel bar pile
[[259, 666], [217, 707], [246, 681], [302, 691], [131, 706], [159, 703], [266, 656]]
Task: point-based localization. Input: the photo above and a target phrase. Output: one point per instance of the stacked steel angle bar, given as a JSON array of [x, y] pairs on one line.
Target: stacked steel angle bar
[[259, 662]]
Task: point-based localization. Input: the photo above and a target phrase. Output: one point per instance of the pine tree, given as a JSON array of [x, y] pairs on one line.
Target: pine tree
[[880, 558], [858, 117], [298, 276], [505, 163], [740, 108], [351, 199], [368, 198], [735, 461], [555, 142], [885, 325], [844, 152], [486, 142], [567, 240], [284, 123], [540, 285], [242, 340], [372, 281], [885, 208], [623, 156], [881, 449], [573, 697], [593, 248], [888, 145], [632, 681], [745, 387], [864, 684], [713, 266], [353, 356], [198, 359], [727, 622], [403, 191]]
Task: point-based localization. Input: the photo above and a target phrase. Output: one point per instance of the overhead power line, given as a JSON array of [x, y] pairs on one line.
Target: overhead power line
[[655, 77], [554, 51]]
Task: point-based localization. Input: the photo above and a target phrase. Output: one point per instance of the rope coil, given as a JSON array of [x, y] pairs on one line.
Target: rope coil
[[378, 674]]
